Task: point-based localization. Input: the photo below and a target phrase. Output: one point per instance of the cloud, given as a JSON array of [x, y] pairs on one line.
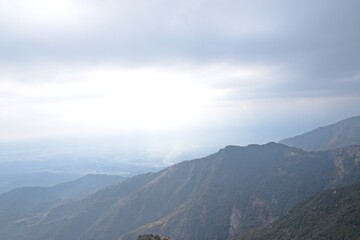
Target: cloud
[[313, 41], [67, 61]]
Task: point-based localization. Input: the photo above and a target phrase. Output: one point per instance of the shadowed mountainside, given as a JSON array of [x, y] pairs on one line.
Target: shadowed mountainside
[[22, 202], [332, 214], [217, 197]]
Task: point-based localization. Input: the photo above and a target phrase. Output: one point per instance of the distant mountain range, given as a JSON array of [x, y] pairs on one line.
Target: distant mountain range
[[221, 196], [21, 203], [332, 214], [22, 167], [341, 134]]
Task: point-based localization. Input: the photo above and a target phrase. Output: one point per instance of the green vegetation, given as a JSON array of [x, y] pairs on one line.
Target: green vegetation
[[330, 215]]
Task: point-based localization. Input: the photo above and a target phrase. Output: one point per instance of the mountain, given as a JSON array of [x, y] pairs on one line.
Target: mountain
[[341, 134], [49, 170], [219, 196], [24, 201], [332, 214], [85, 186]]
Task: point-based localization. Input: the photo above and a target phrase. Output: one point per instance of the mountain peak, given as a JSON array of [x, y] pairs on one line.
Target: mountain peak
[[343, 133], [252, 146]]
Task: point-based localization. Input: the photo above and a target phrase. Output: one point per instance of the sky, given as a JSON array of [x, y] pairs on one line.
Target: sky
[[177, 74]]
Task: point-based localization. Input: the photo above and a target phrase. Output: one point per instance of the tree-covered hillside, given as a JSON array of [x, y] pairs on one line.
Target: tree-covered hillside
[[331, 215]]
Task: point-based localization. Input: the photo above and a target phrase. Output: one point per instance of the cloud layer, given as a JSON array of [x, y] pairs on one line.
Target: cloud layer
[[221, 66]]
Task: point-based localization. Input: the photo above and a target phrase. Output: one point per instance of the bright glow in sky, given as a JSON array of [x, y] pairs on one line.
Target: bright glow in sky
[[123, 99], [200, 72], [130, 100]]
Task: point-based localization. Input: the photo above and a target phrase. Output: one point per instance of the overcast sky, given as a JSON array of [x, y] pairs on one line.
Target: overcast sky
[[198, 72]]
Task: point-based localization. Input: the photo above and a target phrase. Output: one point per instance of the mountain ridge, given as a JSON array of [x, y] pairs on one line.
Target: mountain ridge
[[219, 196], [26, 200], [343, 133]]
